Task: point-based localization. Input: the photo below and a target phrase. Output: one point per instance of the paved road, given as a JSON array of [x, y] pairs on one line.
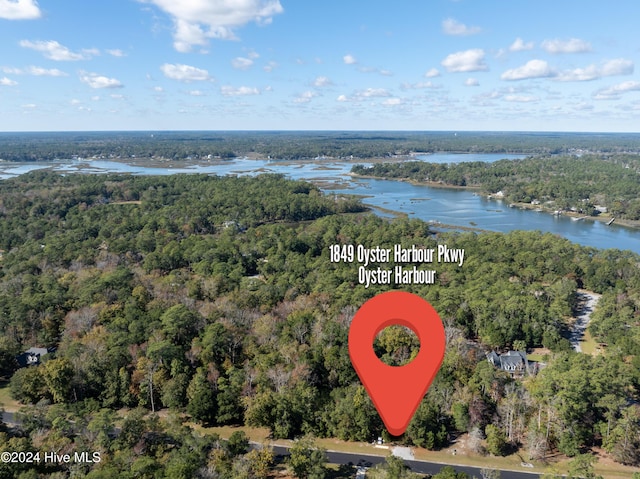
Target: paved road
[[422, 467], [367, 460], [8, 418]]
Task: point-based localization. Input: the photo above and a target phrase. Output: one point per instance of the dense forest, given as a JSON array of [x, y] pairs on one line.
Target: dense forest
[[298, 145], [561, 182], [215, 299]]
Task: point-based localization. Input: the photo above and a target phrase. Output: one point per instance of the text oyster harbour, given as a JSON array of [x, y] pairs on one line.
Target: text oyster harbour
[[399, 274]]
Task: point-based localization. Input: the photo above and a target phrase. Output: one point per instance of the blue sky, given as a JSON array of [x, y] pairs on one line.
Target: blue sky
[[545, 65]]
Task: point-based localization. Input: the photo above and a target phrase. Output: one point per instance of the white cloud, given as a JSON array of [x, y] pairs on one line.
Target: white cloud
[[7, 82], [466, 61], [53, 50], [619, 66], [521, 98], [239, 91], [531, 69], [583, 106], [185, 73], [472, 82], [158, 89], [90, 52], [392, 102], [117, 96], [349, 60], [269, 67], [116, 53], [321, 82], [453, 27], [419, 85], [197, 21], [305, 97], [434, 72], [29, 106], [49, 72], [187, 35], [95, 80], [492, 95], [241, 63], [373, 93], [573, 45], [381, 71], [520, 46], [196, 93], [35, 71], [361, 95], [19, 10], [614, 92]]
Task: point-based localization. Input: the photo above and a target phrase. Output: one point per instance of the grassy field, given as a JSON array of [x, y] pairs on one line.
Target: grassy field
[[6, 401], [589, 345]]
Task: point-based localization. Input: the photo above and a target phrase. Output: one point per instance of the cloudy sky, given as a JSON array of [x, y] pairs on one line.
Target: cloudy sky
[[565, 65]]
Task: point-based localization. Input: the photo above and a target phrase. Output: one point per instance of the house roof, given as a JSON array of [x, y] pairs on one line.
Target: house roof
[[509, 361], [40, 351], [31, 356], [493, 358]]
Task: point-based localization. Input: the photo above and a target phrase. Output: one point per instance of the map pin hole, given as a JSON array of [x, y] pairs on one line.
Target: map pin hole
[[396, 345]]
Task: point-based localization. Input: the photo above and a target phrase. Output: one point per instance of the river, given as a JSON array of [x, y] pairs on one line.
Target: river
[[448, 206]]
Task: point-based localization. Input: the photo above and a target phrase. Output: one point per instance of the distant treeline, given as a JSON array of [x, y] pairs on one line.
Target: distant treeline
[[297, 145], [582, 182]]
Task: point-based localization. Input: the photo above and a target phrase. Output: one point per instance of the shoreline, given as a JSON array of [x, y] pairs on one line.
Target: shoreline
[[329, 184], [432, 184], [603, 218]]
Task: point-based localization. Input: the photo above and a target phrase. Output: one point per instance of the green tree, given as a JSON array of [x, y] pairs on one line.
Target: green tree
[[582, 467], [307, 461], [28, 386], [496, 440], [133, 427], [58, 374], [460, 412], [202, 401], [229, 397], [238, 443], [261, 461], [395, 468], [427, 428], [353, 416], [183, 464], [180, 324], [448, 472], [100, 426]]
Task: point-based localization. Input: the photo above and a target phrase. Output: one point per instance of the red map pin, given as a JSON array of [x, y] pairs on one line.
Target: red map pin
[[396, 391]]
